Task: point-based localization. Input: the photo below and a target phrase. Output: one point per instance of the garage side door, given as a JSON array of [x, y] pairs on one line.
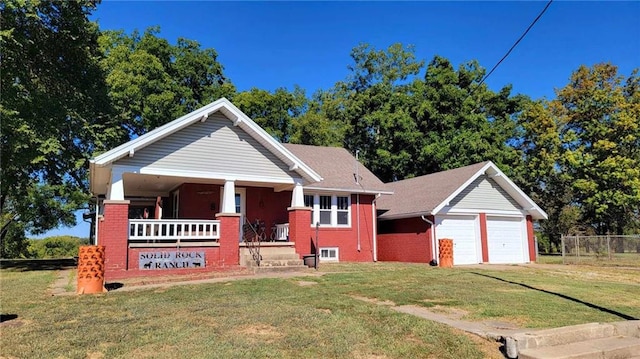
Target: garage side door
[[462, 229], [505, 240]]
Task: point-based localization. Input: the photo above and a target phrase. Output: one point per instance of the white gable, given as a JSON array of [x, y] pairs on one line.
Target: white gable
[[213, 146], [482, 194]]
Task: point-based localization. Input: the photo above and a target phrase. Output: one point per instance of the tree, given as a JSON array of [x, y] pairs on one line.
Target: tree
[[274, 112], [152, 82], [54, 105], [315, 127], [463, 122], [404, 126], [582, 151]]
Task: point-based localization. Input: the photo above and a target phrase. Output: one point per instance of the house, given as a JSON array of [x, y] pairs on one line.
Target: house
[[213, 191], [488, 217]]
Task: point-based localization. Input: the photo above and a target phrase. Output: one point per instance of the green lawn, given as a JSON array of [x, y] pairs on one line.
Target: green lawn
[[279, 318]]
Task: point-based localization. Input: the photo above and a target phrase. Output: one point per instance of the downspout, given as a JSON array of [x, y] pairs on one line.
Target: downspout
[[433, 237], [95, 225], [374, 219], [358, 218]]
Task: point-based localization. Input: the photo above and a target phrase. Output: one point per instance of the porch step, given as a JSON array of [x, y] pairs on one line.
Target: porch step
[[277, 263], [280, 269], [618, 347], [591, 340]]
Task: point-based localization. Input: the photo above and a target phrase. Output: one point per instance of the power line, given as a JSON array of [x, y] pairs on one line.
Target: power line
[[512, 47]]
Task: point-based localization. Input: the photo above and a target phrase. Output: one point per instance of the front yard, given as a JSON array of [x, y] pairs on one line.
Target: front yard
[[310, 317]]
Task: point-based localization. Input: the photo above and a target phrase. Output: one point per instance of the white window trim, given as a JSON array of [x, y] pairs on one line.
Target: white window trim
[[315, 213], [328, 259]]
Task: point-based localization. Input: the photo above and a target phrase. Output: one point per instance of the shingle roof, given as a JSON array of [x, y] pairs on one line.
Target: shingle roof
[[338, 169], [420, 195]]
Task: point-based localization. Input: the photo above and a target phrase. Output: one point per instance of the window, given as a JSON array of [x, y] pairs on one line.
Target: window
[[325, 210], [329, 211], [329, 254], [308, 202], [343, 210]]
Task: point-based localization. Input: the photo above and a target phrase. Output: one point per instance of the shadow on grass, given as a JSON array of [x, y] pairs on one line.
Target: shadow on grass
[[38, 264], [7, 317], [563, 296], [113, 286]]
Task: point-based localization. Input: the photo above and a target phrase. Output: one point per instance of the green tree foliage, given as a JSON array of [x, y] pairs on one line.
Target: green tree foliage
[[56, 247], [582, 153], [274, 112], [405, 126], [152, 82], [53, 106]]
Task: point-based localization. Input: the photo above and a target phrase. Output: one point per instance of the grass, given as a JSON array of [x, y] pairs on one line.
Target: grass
[[269, 318], [631, 260]]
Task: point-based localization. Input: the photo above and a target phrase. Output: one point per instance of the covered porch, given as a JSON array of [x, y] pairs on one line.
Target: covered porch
[[220, 220]]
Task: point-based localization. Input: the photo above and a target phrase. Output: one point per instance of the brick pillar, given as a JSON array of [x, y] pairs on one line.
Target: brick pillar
[[229, 238], [300, 229], [113, 234], [483, 238], [531, 240]]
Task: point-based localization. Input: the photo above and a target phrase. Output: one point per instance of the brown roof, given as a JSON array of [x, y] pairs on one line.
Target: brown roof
[[420, 195], [337, 167]]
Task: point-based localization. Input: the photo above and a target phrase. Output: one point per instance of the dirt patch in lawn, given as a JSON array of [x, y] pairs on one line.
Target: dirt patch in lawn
[[304, 283], [374, 300], [261, 332]]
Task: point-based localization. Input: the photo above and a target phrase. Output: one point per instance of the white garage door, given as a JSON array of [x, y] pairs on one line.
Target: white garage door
[[462, 229], [505, 240]]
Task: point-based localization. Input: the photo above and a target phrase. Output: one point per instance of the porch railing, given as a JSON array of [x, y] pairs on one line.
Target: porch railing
[[282, 232], [173, 232]]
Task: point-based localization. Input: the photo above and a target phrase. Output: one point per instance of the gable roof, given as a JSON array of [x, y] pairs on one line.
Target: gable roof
[[429, 194], [230, 111], [338, 170]]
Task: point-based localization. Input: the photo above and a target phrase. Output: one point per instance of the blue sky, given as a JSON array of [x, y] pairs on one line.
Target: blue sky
[[281, 44]]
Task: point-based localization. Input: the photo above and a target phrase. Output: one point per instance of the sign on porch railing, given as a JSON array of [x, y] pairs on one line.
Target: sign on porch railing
[[173, 232]]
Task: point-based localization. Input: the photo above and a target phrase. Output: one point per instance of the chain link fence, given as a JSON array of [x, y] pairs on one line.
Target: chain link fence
[[601, 250]]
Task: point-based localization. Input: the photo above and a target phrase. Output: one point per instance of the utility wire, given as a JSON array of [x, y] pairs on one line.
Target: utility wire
[[512, 47]]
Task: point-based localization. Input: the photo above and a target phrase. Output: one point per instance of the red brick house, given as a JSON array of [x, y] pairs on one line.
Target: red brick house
[[212, 191], [178, 199], [488, 217]]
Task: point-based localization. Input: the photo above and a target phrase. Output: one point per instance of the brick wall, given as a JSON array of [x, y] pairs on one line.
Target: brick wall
[[229, 239], [113, 234], [198, 201], [405, 240], [300, 229], [531, 240], [484, 242]]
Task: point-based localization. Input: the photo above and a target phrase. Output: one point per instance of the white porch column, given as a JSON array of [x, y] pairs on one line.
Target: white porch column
[[229, 197], [297, 196], [116, 186]]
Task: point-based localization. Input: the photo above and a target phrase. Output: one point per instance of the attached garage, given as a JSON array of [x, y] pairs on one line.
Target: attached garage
[[464, 232], [506, 240], [488, 217]]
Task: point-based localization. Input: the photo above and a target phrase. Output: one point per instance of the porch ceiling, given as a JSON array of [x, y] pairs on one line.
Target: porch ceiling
[[142, 185]]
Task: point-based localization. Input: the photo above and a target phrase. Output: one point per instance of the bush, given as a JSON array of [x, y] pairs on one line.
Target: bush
[[56, 247]]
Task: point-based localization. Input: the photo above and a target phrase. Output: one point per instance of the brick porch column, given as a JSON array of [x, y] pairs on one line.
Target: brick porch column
[[229, 238], [113, 234], [300, 229]]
